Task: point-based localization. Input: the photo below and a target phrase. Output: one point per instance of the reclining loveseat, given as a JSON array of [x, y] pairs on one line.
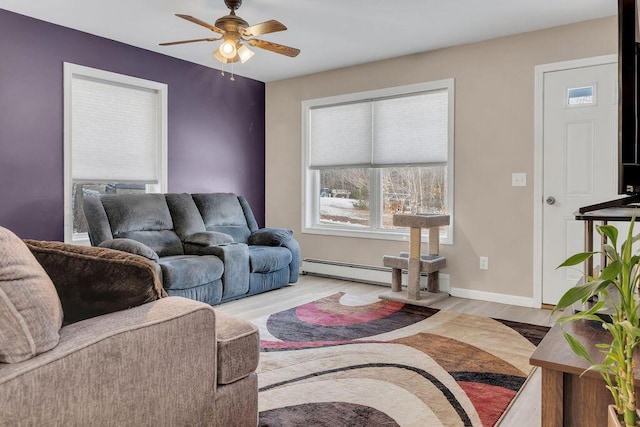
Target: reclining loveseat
[[207, 247]]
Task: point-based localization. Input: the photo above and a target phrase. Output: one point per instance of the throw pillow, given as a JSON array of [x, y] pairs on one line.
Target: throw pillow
[[30, 310], [92, 281]]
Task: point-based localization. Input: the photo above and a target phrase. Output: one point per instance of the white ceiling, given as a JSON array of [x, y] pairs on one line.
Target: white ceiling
[[330, 33]]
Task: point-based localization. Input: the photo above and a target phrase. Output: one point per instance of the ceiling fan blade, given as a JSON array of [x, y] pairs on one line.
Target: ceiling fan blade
[[274, 47], [199, 22], [266, 27], [190, 41]]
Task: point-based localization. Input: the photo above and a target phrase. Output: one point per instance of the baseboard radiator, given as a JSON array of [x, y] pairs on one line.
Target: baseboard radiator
[[373, 274]]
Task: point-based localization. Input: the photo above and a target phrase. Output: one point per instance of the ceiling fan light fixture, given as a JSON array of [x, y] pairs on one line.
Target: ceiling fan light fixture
[[245, 53], [234, 31], [228, 49], [219, 57]]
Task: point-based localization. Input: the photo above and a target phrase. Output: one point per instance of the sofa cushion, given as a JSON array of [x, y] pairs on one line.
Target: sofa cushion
[[185, 214], [92, 281], [238, 348], [162, 242], [210, 293], [265, 259], [97, 221], [30, 310], [137, 212], [223, 212], [188, 271], [145, 218]]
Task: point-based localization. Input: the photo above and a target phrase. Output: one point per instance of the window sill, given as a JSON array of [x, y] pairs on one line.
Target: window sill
[[81, 239], [402, 236]]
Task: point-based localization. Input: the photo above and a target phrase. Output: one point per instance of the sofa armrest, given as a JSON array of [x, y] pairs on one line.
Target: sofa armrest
[[294, 266], [131, 246], [270, 237], [198, 243], [235, 258], [123, 368], [280, 237], [91, 281]]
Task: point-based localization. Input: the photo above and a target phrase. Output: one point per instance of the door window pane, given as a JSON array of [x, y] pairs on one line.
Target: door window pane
[[580, 95]]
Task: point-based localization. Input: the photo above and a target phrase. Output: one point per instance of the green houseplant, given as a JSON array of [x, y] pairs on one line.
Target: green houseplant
[[614, 292]]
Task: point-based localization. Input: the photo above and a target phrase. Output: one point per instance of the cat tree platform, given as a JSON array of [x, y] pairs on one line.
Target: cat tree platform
[[416, 263]]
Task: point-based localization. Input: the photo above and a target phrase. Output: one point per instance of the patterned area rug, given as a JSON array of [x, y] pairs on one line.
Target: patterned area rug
[[345, 361]]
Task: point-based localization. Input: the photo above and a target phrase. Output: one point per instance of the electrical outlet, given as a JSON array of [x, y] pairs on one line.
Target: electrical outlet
[[484, 263], [519, 179]]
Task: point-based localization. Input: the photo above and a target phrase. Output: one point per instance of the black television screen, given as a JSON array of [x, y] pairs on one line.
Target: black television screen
[[628, 98]]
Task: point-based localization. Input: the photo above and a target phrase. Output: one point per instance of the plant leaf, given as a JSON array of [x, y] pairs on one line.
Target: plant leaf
[[586, 315], [576, 259], [610, 231], [580, 293], [575, 294], [580, 316], [611, 271], [577, 347], [610, 251], [634, 331]]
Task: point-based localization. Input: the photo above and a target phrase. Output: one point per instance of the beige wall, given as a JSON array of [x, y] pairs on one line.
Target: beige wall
[[494, 127]]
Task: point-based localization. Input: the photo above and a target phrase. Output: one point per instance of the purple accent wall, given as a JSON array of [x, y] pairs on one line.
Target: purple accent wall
[[216, 126]]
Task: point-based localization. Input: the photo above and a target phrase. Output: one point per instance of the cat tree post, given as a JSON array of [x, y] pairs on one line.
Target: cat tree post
[[415, 263]]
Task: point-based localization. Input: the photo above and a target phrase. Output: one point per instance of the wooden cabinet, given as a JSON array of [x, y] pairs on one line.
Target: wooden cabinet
[[569, 399]]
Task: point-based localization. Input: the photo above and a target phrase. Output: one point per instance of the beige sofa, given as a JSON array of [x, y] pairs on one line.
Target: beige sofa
[[168, 361]]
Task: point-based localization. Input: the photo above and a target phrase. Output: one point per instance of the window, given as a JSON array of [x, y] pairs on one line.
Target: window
[[115, 139], [373, 154], [580, 96]]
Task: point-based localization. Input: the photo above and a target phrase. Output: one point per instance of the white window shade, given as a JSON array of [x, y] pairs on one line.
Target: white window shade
[[340, 136], [114, 132], [411, 130]]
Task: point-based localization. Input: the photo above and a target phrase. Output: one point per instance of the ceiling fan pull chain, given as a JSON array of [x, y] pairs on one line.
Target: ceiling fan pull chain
[[232, 78]]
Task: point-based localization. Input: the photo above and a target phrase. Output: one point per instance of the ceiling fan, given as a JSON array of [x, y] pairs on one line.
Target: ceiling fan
[[234, 31]]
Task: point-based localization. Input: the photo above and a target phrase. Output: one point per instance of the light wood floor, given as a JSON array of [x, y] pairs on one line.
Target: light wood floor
[[525, 410]]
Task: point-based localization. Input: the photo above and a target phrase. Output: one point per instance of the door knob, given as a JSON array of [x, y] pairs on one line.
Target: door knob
[[551, 200]]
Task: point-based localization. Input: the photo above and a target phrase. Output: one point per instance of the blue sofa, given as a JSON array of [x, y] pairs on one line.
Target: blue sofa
[[206, 247]]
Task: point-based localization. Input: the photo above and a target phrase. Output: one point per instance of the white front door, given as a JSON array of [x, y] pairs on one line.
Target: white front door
[[580, 147]]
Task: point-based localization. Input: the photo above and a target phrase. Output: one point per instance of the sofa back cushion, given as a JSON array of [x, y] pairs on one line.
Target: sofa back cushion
[[187, 220], [145, 218], [97, 221], [222, 212], [30, 310]]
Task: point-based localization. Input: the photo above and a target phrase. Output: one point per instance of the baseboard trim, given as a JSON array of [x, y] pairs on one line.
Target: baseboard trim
[[382, 276], [361, 273], [492, 297]]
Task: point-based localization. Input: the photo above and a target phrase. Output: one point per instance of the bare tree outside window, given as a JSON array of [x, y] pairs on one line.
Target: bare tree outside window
[[345, 194], [413, 190]]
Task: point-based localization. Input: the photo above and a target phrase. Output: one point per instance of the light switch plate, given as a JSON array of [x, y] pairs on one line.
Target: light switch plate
[[519, 179]]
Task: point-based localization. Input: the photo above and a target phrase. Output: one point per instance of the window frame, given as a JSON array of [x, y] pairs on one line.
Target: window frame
[[311, 182], [72, 71]]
